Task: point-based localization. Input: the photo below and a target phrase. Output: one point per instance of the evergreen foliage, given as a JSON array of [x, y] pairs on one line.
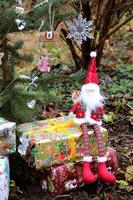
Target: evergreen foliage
[[13, 95]]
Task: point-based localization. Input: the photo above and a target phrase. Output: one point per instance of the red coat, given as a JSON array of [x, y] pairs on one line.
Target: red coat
[[80, 113]]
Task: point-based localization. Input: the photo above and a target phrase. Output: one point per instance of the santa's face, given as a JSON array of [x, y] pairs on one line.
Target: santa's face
[[91, 92], [90, 96]]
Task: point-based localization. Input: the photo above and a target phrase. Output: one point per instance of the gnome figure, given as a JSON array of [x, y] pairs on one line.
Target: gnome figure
[[89, 108]]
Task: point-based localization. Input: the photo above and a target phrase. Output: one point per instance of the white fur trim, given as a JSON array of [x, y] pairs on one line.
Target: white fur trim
[[87, 158], [91, 86], [79, 121], [102, 159], [93, 54], [90, 121], [90, 132]]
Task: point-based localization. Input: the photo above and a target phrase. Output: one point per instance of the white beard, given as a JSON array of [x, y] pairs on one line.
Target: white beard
[[91, 102]]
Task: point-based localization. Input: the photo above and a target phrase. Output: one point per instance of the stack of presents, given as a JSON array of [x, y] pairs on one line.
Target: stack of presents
[[57, 148], [54, 145]]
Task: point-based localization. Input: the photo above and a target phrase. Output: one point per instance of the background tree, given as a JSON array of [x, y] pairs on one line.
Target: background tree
[[108, 15]]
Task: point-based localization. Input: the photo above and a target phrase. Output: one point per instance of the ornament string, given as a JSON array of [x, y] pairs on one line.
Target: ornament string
[[80, 6], [51, 16], [38, 42]]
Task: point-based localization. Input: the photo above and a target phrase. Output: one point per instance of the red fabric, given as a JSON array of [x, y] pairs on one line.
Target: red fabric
[[104, 175], [86, 139], [81, 114], [100, 143], [88, 175], [91, 76]]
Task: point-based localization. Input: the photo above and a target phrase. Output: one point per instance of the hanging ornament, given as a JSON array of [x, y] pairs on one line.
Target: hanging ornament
[[19, 10], [43, 65], [22, 148], [1, 56], [31, 104], [32, 86], [79, 29], [19, 1], [49, 36], [20, 24]]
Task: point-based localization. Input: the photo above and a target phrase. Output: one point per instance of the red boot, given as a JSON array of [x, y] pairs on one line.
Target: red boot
[[88, 175], [103, 174]]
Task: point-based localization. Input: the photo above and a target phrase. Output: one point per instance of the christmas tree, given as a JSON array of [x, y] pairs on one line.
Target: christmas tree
[[18, 95]]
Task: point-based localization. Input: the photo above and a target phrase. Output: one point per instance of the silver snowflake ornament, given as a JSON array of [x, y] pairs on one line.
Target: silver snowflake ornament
[[80, 29]]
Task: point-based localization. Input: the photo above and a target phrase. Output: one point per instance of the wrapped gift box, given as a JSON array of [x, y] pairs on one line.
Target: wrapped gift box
[[54, 141], [7, 137], [66, 177], [62, 178], [4, 178]]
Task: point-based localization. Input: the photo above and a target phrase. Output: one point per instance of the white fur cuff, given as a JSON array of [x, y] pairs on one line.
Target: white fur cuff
[[90, 132], [102, 159], [87, 158], [93, 54]]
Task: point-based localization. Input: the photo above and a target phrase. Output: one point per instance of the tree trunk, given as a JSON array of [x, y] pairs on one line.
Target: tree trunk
[[86, 46], [5, 68]]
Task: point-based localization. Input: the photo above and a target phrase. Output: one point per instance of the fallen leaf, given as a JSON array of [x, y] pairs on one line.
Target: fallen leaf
[[129, 173], [122, 184]]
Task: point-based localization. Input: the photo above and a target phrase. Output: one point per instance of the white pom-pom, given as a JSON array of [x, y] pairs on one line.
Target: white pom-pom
[[93, 54]]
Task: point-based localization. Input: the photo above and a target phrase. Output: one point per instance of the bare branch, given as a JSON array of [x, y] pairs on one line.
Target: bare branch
[[113, 31], [125, 5]]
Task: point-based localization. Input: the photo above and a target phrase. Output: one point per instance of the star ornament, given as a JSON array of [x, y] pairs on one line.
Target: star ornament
[[80, 29]]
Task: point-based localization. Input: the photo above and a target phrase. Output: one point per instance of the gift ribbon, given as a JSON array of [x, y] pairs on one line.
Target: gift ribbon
[[60, 128]]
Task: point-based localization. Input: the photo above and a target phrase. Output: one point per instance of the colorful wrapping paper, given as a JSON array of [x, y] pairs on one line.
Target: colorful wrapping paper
[[66, 177], [62, 178], [54, 141], [4, 178], [7, 137]]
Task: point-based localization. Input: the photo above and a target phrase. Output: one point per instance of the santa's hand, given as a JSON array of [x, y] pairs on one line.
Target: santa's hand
[[108, 118], [71, 115], [105, 118], [99, 123]]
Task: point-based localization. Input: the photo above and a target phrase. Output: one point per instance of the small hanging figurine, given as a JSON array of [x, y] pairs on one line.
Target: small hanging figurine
[[89, 108], [43, 65]]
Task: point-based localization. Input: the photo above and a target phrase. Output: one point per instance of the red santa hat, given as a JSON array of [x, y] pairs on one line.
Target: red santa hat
[[91, 81]]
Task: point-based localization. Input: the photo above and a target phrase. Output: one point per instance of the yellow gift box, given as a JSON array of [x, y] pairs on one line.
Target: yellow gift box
[[54, 141]]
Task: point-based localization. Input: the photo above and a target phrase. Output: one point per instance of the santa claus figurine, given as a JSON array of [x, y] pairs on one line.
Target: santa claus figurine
[[89, 109]]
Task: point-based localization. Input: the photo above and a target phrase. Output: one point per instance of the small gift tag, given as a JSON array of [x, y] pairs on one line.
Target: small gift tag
[[49, 36]]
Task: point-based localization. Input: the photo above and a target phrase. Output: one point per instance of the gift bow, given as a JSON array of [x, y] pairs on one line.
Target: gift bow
[[60, 128]]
